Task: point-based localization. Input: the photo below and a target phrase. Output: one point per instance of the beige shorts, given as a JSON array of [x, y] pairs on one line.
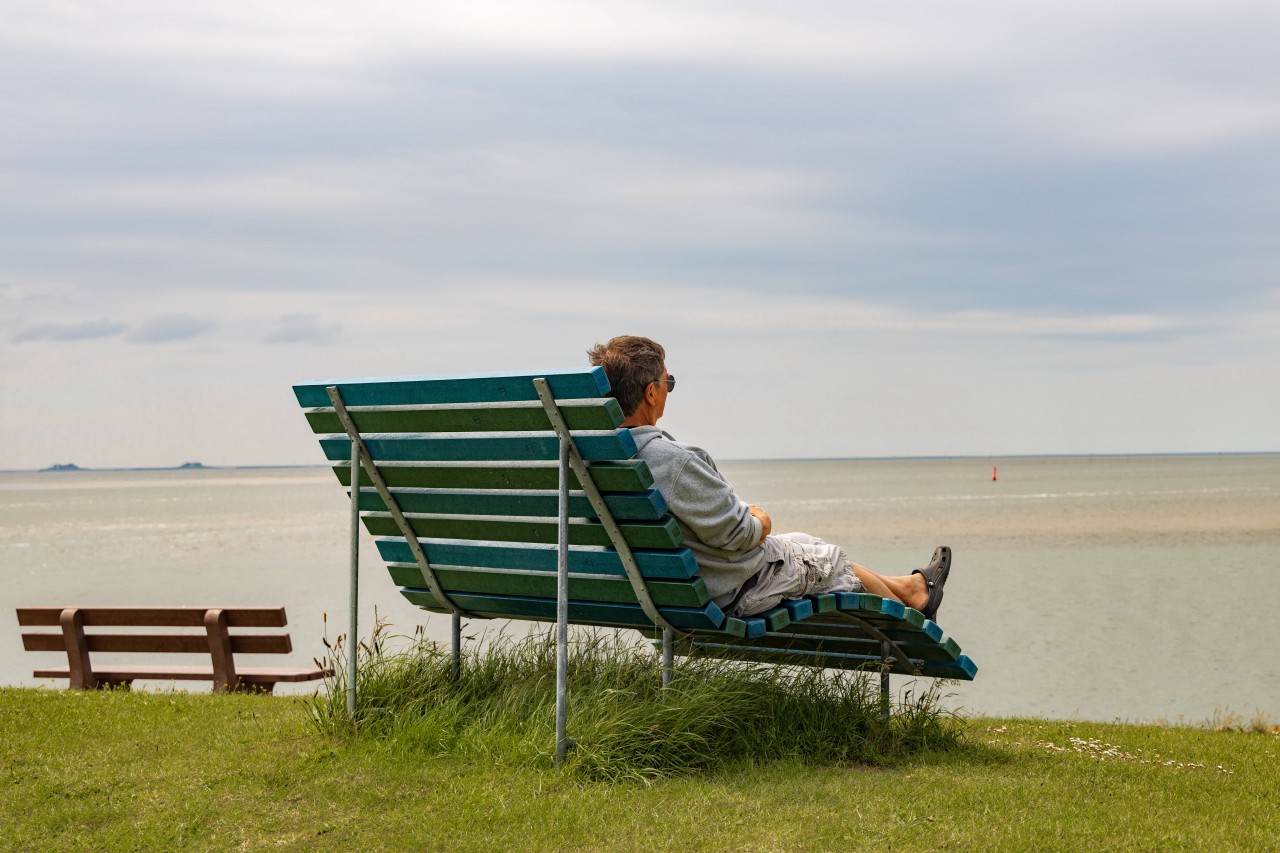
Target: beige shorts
[[796, 564]]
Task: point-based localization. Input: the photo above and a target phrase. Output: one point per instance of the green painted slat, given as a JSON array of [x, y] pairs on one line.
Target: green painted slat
[[599, 414], [645, 506], [689, 593], [580, 612], [677, 565], [565, 384], [665, 534], [962, 669], [616, 445], [896, 630], [855, 641], [631, 475]]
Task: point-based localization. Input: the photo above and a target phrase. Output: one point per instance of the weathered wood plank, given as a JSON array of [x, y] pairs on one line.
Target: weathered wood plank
[[648, 505], [688, 593], [665, 534], [599, 414], [677, 564], [159, 617], [631, 475], [573, 383], [516, 447], [264, 644]]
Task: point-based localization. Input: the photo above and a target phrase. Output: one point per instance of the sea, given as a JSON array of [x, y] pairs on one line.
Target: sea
[[1099, 588]]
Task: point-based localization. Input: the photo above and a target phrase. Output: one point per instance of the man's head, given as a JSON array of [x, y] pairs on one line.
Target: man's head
[[636, 368]]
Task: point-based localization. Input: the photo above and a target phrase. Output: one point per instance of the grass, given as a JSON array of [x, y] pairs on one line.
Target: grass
[[122, 770], [715, 714]]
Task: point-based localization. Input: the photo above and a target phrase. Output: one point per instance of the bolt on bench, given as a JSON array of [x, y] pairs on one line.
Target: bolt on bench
[[215, 639], [519, 496]]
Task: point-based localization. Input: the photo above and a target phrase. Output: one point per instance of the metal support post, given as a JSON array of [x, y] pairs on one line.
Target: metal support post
[[562, 608], [885, 652], [455, 647], [667, 657], [352, 635]]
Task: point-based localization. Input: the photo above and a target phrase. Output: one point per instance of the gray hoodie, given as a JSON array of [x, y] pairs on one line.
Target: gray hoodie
[[718, 526]]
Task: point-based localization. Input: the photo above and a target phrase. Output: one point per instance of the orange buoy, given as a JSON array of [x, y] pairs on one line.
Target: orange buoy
[[993, 473]]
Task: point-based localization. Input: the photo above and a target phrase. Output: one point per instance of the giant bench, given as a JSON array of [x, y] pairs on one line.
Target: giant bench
[[519, 496]]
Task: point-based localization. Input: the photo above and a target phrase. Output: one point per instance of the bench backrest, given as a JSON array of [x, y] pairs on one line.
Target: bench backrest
[[152, 617], [472, 462]]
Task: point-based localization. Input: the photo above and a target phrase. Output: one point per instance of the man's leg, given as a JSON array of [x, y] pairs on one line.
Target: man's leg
[[909, 589]]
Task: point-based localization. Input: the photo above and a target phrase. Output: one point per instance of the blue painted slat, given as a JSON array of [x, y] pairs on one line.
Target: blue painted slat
[[677, 564], [642, 506], [580, 612], [616, 445], [566, 384], [799, 609]]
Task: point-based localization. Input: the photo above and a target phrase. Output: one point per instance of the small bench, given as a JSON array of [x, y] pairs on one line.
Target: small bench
[[214, 639]]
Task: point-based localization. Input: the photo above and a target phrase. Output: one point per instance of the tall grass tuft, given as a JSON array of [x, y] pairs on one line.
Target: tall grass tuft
[[716, 713]]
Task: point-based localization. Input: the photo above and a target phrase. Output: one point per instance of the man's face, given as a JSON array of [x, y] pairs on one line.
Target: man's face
[[660, 387]]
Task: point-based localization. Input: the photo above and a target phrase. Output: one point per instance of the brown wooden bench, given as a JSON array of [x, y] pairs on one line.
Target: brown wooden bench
[[215, 639]]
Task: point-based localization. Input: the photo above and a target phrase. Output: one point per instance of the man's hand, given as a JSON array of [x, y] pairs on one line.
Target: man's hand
[[765, 522]]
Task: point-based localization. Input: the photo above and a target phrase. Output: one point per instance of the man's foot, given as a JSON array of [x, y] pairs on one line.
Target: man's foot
[[935, 577]]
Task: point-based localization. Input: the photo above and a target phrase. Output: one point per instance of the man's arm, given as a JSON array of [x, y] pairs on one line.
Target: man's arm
[[706, 504], [765, 521]]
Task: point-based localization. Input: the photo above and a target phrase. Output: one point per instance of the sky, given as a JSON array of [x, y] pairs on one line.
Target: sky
[[859, 229]]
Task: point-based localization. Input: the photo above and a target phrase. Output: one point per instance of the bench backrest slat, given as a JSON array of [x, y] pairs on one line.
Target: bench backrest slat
[[648, 505], [631, 475], [597, 414], [278, 644], [678, 564], [159, 617], [615, 445], [565, 384]]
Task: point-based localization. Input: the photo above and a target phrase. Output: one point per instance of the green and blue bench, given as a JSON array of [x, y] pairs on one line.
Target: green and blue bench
[[519, 496]]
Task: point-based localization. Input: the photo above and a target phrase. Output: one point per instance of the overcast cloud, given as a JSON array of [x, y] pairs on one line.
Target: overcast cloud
[[860, 229]]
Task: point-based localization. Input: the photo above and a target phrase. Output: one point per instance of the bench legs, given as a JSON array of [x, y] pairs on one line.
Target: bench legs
[[668, 656], [455, 646], [885, 652]]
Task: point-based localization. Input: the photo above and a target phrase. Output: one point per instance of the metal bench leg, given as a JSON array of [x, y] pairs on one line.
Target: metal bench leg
[[885, 652], [667, 657], [562, 609], [455, 646], [353, 638]]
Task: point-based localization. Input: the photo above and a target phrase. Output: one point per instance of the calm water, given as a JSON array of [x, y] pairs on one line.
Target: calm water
[[1131, 588]]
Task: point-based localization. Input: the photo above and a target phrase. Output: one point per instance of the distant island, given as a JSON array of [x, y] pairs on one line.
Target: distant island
[[71, 466]]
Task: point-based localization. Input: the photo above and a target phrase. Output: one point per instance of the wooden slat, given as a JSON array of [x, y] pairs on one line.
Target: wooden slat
[[665, 534], [158, 617], [266, 644], [598, 414], [689, 593], [648, 505], [630, 475], [580, 612], [855, 642], [677, 564], [616, 445], [565, 384], [112, 672]]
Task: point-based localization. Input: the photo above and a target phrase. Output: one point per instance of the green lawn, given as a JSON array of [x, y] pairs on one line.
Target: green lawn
[[172, 770]]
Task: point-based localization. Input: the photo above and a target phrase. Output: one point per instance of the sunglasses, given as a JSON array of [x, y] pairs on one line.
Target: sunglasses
[[671, 382]]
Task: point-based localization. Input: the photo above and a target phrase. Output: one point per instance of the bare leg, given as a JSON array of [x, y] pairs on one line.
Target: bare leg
[[909, 589]]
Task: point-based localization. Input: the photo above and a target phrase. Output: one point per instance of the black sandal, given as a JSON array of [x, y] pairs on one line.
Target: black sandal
[[935, 577]]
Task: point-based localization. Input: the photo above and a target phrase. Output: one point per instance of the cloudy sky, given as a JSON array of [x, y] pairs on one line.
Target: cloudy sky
[[860, 229]]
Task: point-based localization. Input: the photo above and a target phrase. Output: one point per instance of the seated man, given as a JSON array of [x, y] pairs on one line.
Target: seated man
[[747, 568]]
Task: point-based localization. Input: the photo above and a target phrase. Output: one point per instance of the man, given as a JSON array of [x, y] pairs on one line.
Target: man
[[746, 567]]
